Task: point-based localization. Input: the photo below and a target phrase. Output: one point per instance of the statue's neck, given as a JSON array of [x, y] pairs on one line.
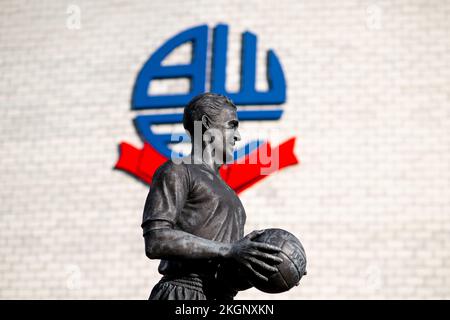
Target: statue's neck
[[205, 157]]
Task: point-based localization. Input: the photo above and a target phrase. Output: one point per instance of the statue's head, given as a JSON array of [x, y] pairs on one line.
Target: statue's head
[[216, 115]]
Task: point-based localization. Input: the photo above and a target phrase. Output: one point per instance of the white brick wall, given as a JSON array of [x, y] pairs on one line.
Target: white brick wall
[[368, 100]]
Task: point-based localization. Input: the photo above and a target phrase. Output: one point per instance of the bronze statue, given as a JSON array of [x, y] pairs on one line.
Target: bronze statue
[[194, 222]]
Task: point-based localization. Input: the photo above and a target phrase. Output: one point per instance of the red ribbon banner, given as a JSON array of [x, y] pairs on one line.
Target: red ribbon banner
[[240, 175]]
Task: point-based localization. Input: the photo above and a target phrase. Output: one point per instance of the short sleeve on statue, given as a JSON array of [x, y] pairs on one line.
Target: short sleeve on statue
[[167, 195]]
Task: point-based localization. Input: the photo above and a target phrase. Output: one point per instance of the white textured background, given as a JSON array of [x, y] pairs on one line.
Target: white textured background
[[368, 100]]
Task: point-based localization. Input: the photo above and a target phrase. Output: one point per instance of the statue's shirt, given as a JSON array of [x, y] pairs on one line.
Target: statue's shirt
[[194, 199]]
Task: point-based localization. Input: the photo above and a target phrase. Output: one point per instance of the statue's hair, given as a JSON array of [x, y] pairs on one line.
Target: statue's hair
[[210, 104]]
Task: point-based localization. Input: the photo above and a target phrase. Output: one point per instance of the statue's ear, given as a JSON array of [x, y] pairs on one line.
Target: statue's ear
[[206, 121]]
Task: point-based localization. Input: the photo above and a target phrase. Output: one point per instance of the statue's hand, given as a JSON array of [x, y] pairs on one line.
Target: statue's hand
[[249, 254]]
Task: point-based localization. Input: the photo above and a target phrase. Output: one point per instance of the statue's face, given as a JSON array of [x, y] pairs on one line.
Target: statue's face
[[226, 133]]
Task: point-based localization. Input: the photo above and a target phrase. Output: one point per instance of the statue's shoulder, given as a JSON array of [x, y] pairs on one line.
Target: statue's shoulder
[[171, 168]]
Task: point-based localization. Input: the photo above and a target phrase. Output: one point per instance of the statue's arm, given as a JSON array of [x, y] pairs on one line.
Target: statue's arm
[[164, 242]]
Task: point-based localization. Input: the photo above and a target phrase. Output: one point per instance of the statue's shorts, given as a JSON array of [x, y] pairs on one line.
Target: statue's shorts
[[190, 287]]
